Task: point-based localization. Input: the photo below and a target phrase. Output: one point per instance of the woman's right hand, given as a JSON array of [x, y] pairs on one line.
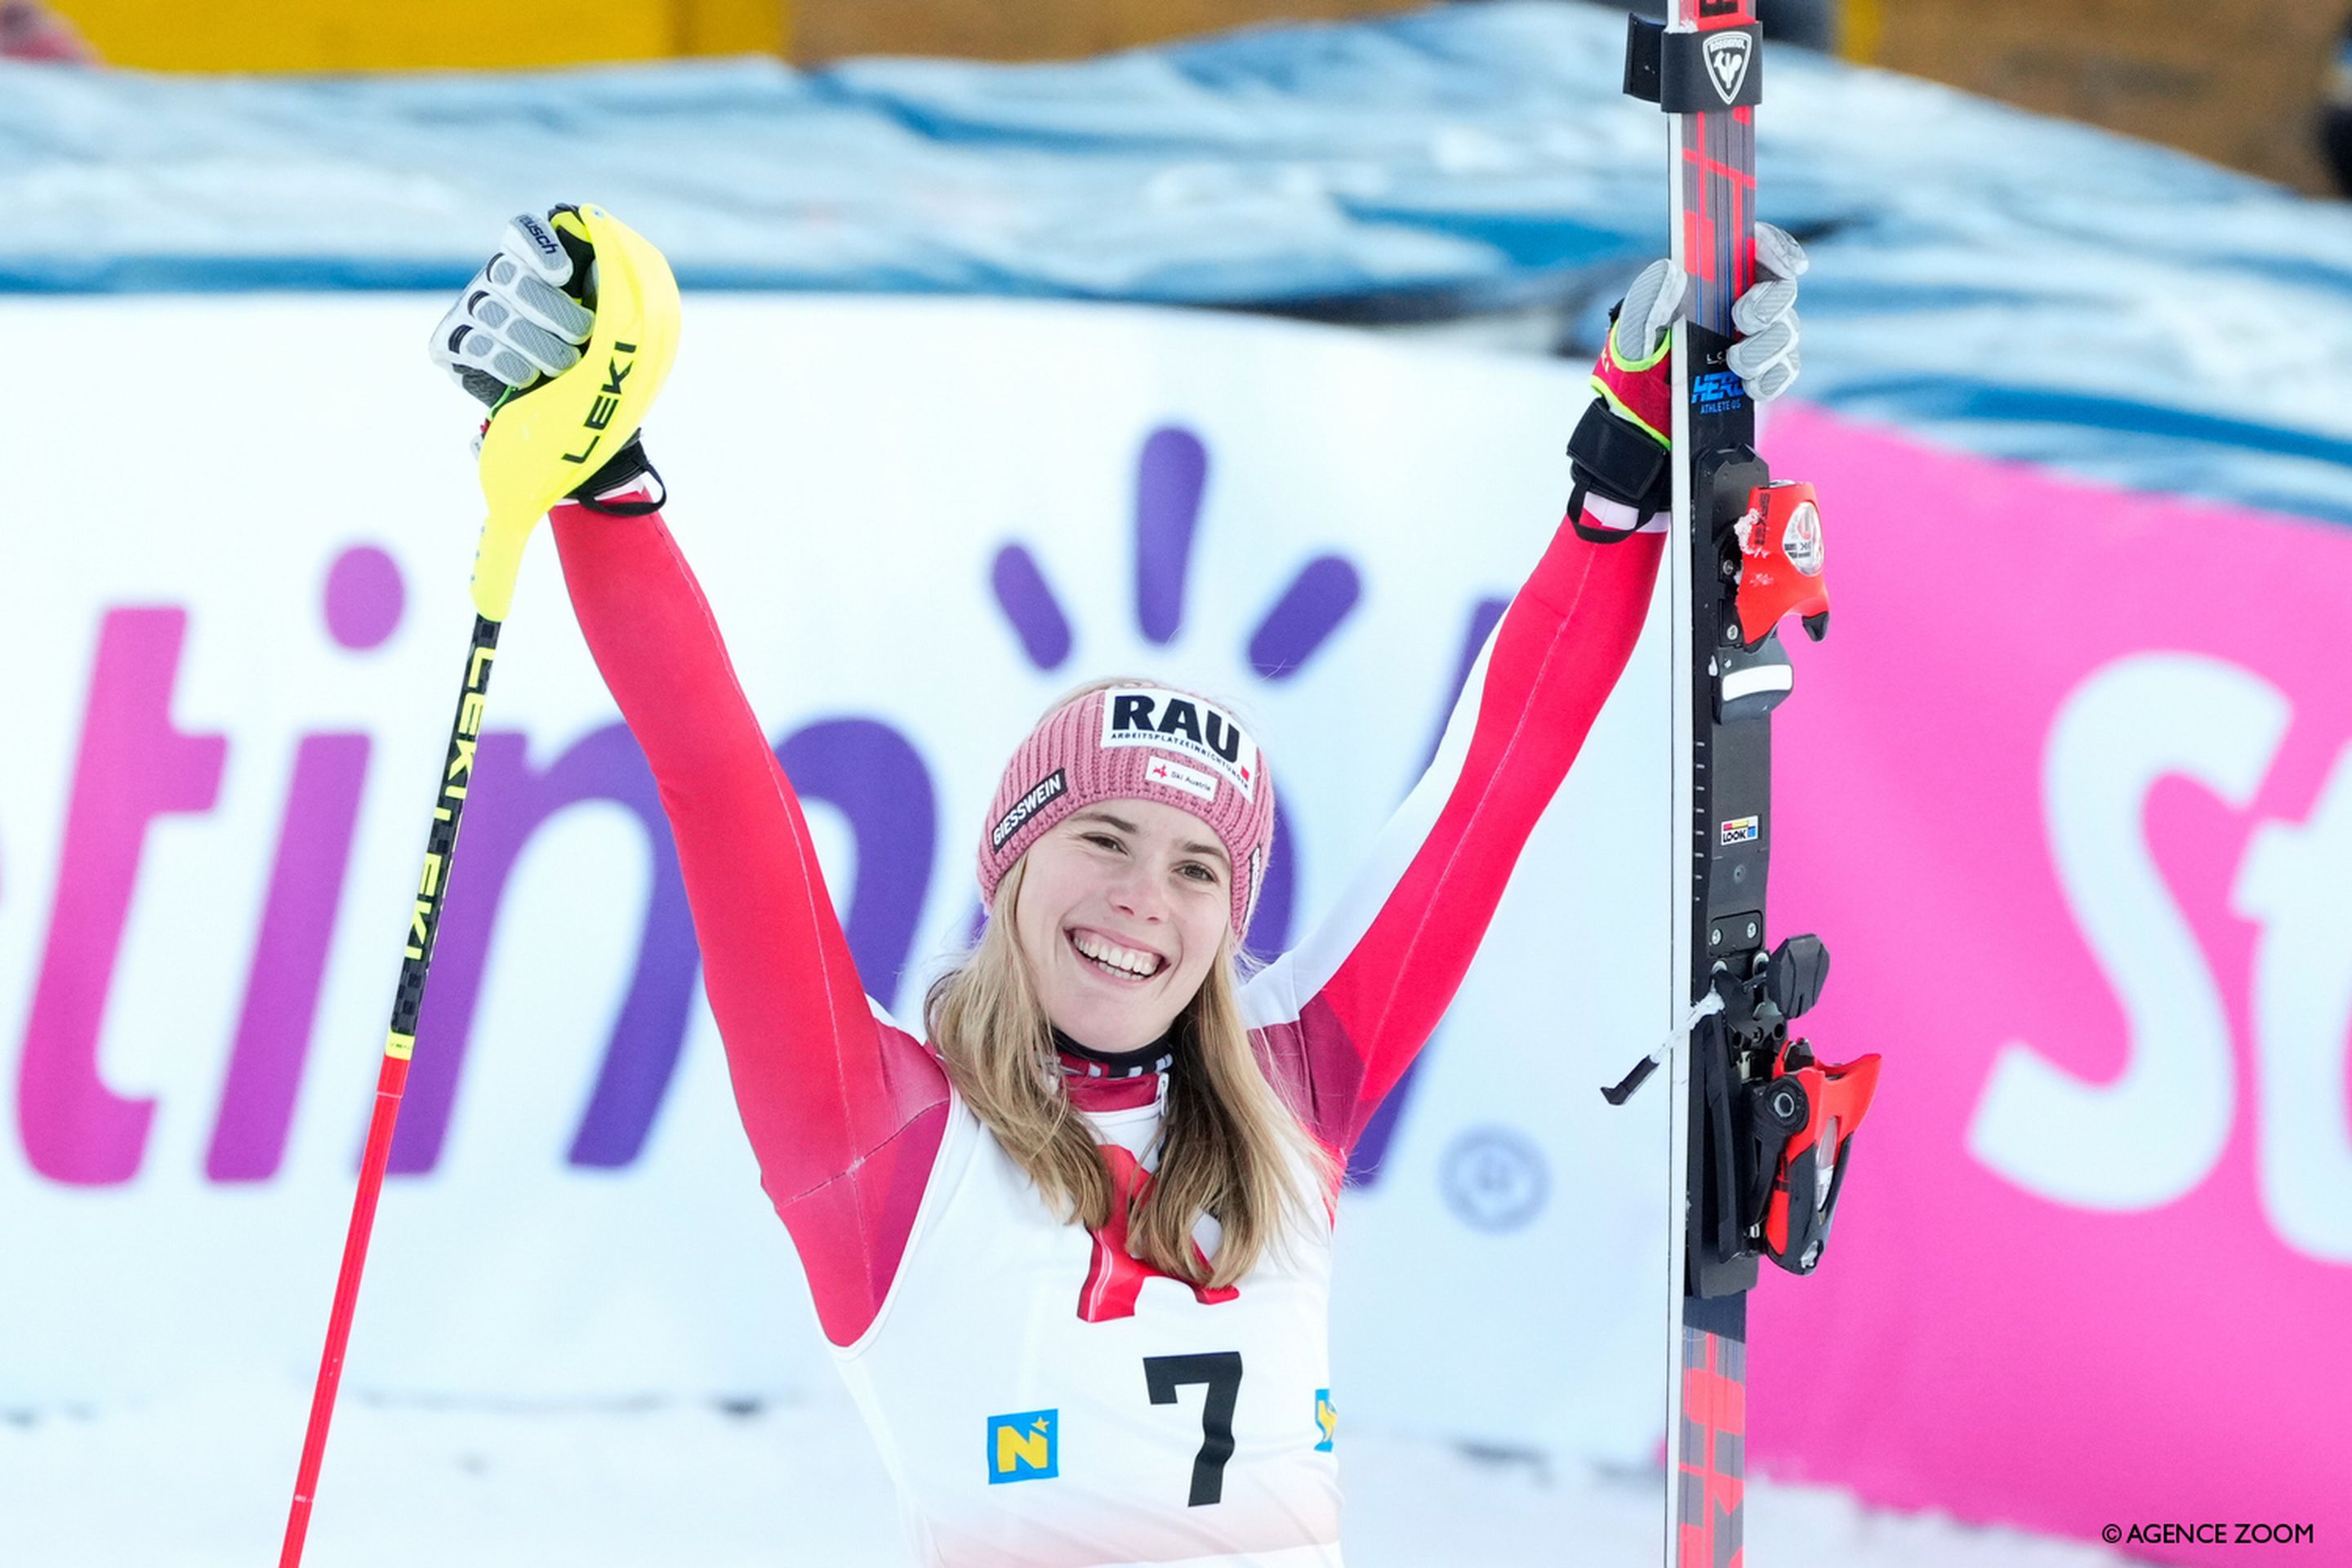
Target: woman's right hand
[[526, 313], [522, 321]]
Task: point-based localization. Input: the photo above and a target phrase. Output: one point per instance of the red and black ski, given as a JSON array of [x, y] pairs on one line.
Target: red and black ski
[[1760, 1127]]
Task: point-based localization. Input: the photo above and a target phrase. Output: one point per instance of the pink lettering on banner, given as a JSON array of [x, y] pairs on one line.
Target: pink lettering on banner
[[290, 960], [133, 766], [364, 598], [2070, 794]]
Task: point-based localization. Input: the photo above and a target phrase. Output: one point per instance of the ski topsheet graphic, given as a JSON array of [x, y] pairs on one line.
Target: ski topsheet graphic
[[1760, 1128]]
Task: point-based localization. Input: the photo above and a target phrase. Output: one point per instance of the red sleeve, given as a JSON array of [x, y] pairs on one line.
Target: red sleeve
[[845, 1111], [1342, 1014]]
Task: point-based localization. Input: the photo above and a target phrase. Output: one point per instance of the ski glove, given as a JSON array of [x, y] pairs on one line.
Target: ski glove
[[522, 321], [1618, 455]]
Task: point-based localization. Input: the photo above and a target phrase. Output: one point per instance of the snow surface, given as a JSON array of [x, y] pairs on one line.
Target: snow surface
[[202, 1479]]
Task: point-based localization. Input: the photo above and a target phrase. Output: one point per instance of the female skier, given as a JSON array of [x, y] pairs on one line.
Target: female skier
[[1071, 1241]]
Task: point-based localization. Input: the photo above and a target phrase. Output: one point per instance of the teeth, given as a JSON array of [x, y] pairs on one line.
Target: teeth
[[1114, 956]]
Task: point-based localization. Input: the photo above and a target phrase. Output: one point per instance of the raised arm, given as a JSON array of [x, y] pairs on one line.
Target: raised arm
[[1343, 1014], [844, 1109], [1350, 1004]]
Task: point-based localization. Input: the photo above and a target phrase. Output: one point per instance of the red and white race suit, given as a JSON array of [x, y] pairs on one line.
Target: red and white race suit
[[1042, 1399]]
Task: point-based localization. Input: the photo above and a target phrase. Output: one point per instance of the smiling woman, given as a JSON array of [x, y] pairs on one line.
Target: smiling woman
[[1123, 913], [1108, 864], [1109, 1151]]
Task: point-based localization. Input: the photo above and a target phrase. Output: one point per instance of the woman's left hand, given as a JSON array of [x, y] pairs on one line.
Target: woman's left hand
[[1619, 450]]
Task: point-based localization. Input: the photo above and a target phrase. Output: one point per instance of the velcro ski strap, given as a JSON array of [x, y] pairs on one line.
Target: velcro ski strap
[[1616, 457], [1604, 534], [620, 474]]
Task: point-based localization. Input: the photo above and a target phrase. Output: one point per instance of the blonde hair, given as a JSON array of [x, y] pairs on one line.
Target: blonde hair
[[1230, 1146]]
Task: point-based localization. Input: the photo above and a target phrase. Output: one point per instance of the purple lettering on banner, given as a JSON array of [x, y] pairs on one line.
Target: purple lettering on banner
[[361, 603], [289, 958], [864, 768], [510, 802], [133, 766], [877, 779], [1028, 601], [364, 596], [1364, 1159], [1170, 474], [1304, 619], [1270, 930]]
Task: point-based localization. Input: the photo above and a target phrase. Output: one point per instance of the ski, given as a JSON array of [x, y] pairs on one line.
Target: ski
[[1759, 1129]]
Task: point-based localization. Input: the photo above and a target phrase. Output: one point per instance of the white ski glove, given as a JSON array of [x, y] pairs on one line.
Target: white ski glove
[[525, 314], [1765, 357]]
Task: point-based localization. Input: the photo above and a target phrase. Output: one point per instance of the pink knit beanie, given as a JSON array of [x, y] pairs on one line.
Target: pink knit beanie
[[1135, 742]]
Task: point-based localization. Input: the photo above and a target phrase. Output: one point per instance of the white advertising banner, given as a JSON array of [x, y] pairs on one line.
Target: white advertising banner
[[233, 608]]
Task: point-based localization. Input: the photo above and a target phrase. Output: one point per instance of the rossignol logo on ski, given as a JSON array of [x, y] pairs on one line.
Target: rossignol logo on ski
[[1142, 716], [1727, 55], [1047, 788]]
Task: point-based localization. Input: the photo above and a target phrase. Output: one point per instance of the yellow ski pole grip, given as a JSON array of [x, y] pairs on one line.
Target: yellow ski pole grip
[[540, 446]]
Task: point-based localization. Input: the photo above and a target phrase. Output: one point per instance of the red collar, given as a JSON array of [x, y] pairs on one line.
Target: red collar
[[1091, 1091]]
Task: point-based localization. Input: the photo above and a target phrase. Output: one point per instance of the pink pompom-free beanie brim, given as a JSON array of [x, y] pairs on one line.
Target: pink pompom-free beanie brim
[[1135, 742]]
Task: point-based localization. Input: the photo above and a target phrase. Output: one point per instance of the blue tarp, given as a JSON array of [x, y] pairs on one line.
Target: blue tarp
[[1983, 276]]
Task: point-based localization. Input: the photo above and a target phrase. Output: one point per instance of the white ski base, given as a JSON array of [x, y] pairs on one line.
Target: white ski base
[[201, 1481]]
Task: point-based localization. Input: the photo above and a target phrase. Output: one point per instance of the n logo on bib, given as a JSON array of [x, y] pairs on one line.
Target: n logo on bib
[[1025, 1447]]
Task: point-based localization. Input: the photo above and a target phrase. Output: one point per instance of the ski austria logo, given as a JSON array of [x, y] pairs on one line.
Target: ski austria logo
[[1025, 1447], [1727, 55], [1139, 716], [1169, 774]]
